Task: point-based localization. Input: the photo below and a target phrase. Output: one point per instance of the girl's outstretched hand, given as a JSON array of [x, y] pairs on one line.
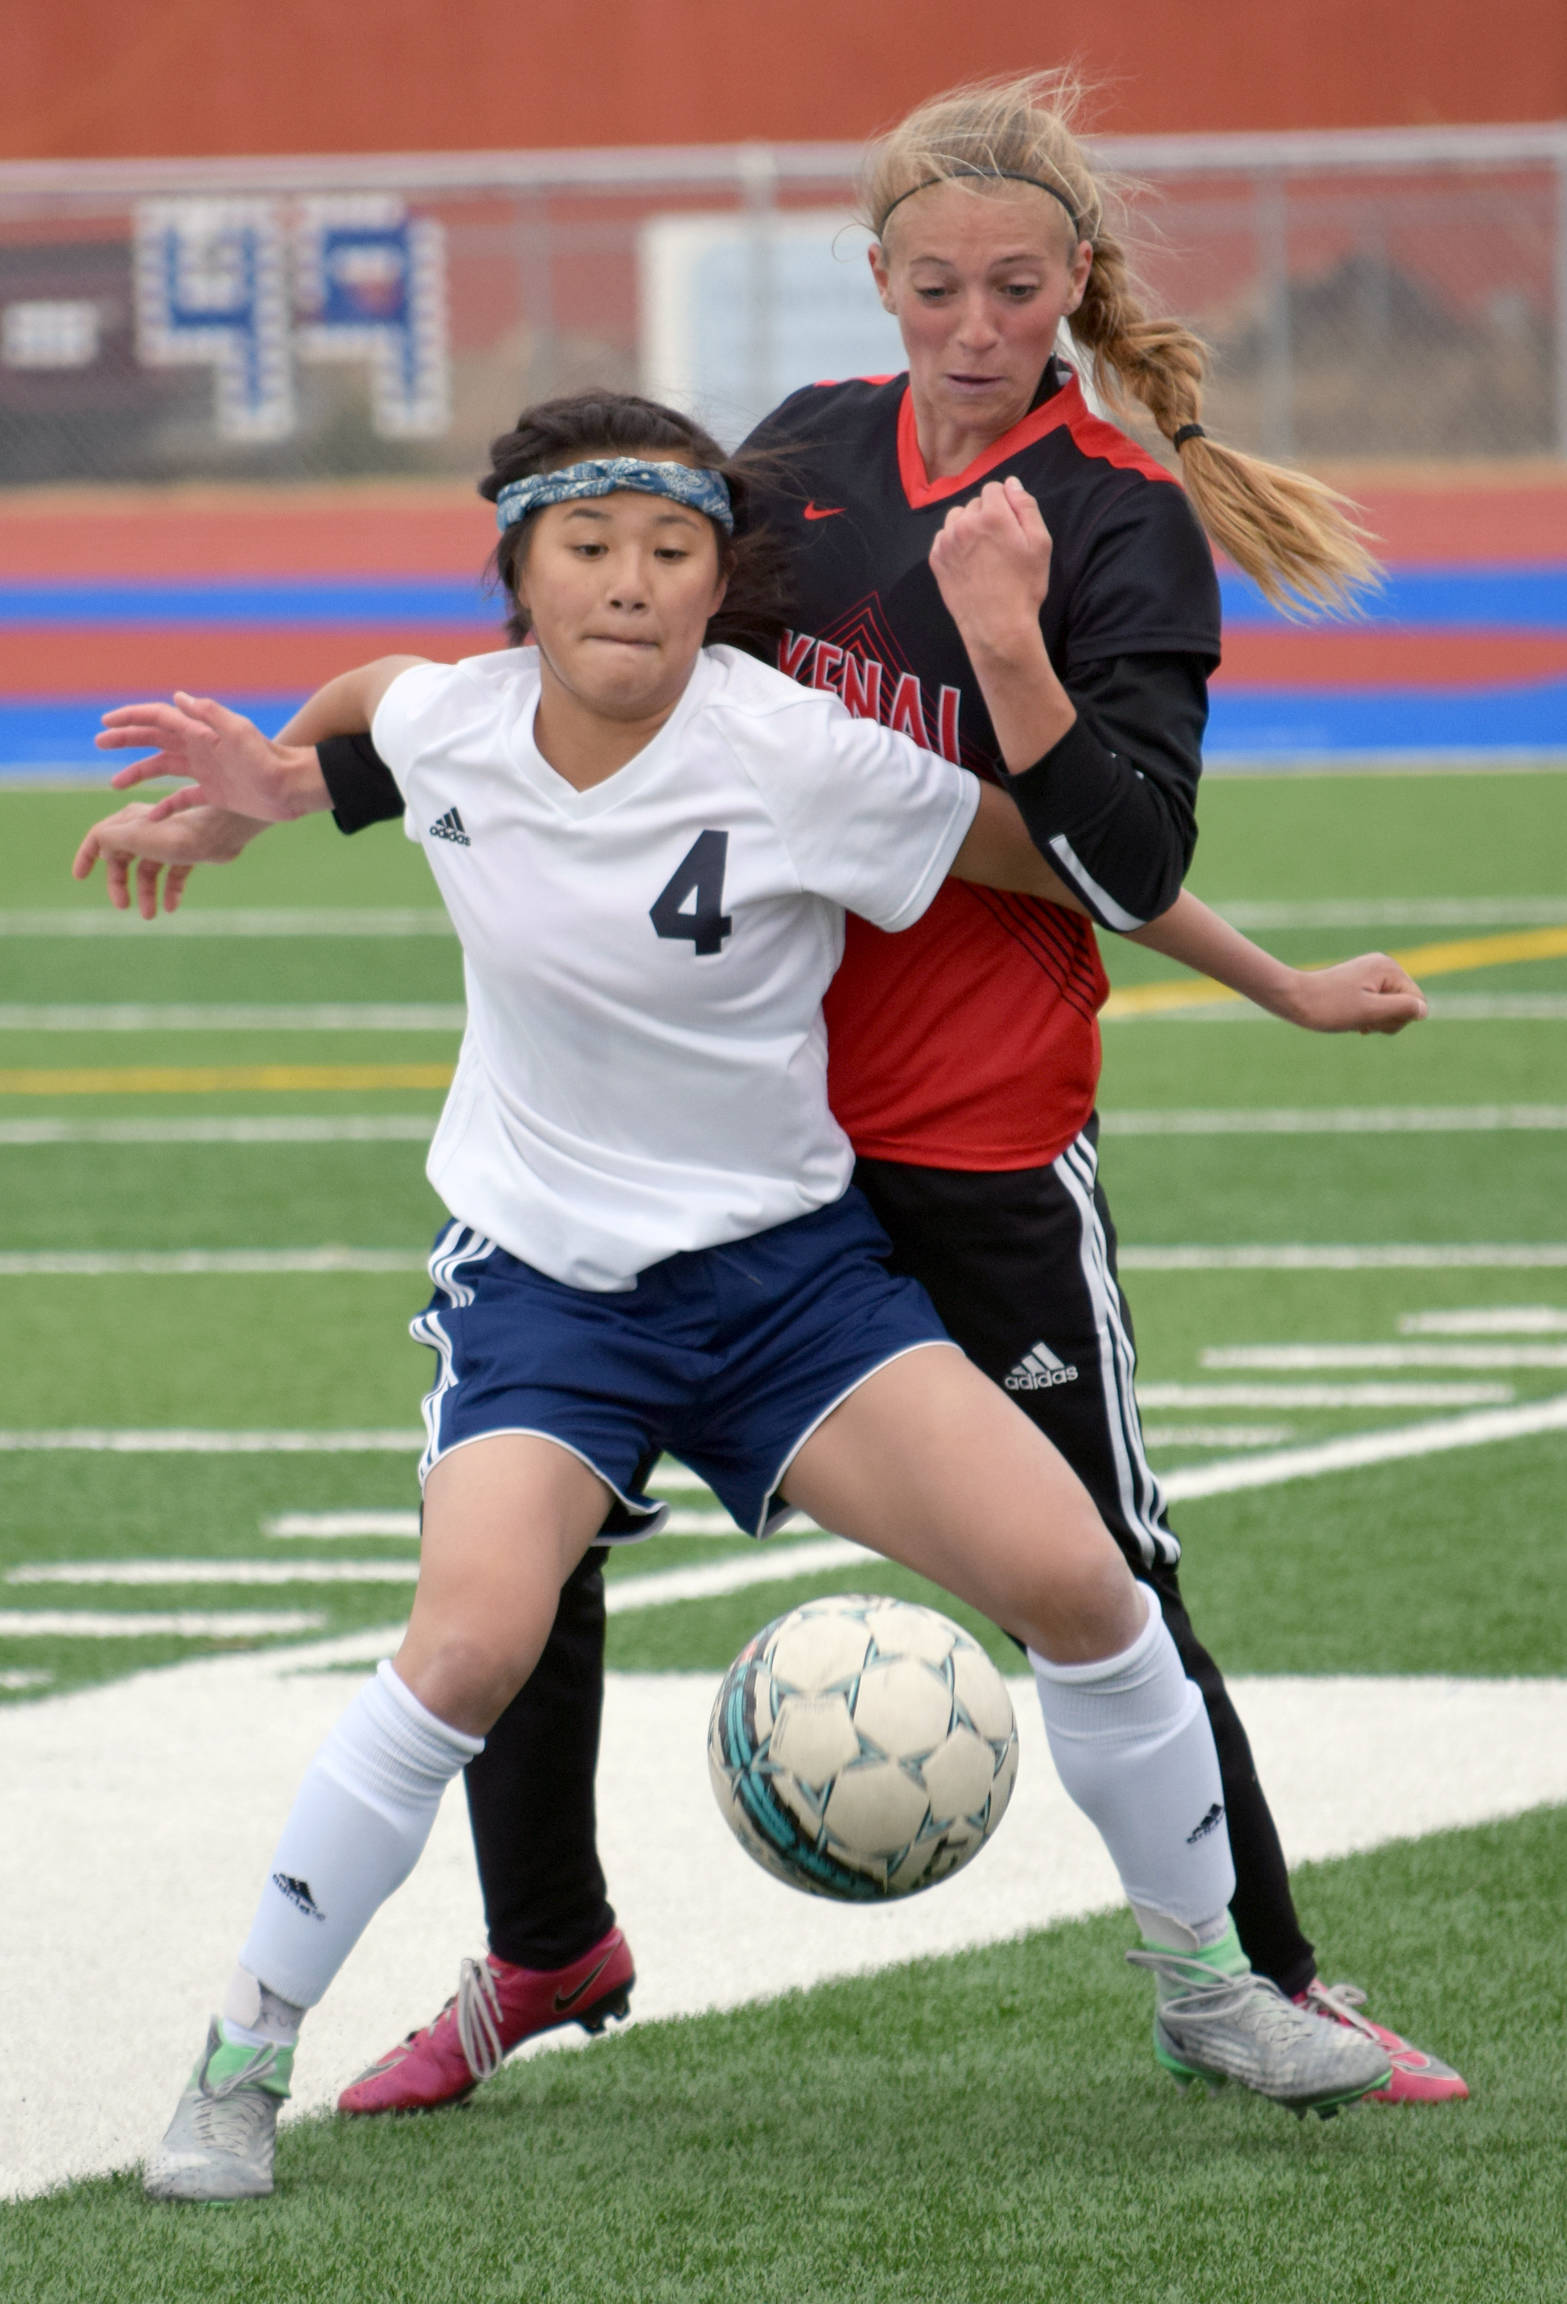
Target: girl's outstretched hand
[[159, 844], [991, 562], [1368, 994], [231, 763]]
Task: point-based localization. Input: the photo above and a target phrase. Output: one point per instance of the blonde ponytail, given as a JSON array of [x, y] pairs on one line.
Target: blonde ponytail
[[1297, 539]]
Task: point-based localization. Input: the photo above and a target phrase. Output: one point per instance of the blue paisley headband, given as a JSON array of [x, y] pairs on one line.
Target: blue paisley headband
[[701, 488]]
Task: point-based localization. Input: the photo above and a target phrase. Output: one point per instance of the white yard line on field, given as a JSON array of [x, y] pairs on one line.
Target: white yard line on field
[[1216, 1435], [180, 1263], [778, 1562], [98, 1440], [1496, 1007], [136, 1573], [1344, 1120], [695, 1522], [1395, 912], [769, 1564], [1324, 1395], [142, 1817], [109, 1263], [235, 1016], [89, 1440], [425, 920], [178, 1624], [764, 1566], [782, 1560], [1307, 1356], [1480, 1430], [668, 1478], [318, 1527], [431, 920], [250, 1128], [1299, 1256], [1442, 1008], [1495, 1320], [329, 1527], [1261, 1256]]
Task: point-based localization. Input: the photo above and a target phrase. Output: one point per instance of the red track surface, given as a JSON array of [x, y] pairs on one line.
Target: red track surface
[[420, 531], [135, 661], [1331, 657], [283, 660], [443, 529], [1446, 522]]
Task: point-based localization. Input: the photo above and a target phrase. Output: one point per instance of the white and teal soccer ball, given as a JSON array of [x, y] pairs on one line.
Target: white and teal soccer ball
[[862, 1748]]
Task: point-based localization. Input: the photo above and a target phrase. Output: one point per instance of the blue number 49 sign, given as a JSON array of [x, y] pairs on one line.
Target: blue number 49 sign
[[226, 284]]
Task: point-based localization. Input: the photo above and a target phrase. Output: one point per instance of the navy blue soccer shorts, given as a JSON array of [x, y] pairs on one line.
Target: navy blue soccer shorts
[[727, 1358]]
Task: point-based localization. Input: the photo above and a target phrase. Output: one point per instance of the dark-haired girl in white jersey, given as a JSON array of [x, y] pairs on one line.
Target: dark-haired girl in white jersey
[[647, 848]]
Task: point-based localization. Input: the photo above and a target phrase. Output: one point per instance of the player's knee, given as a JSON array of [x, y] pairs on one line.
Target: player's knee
[[465, 1675], [1088, 1606]]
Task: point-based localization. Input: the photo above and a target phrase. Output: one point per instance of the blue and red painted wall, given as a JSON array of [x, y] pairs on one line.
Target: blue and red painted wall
[[256, 597], [1464, 651]]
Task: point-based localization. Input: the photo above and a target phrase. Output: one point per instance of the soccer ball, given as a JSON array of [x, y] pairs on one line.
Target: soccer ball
[[862, 1748]]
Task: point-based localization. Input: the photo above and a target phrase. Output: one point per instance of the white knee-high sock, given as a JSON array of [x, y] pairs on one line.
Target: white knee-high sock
[[1132, 1744], [356, 1830]]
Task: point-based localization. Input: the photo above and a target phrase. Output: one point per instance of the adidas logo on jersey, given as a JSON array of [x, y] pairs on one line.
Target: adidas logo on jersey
[[1038, 1370], [449, 827]]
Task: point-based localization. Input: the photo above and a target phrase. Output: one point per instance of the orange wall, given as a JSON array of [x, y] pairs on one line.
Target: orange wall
[[96, 78]]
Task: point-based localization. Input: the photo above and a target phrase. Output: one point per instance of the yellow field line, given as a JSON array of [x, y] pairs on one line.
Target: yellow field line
[[217, 1079], [1159, 999], [1422, 960], [1483, 952]]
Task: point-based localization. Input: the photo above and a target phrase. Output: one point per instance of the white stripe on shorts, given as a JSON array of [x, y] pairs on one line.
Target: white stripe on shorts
[[458, 1244], [1142, 1503]]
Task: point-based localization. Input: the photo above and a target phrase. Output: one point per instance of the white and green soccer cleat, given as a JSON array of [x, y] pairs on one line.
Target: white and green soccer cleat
[[1214, 2024], [219, 2144]]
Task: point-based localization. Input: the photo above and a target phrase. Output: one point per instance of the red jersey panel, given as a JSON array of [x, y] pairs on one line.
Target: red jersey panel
[[971, 1040]]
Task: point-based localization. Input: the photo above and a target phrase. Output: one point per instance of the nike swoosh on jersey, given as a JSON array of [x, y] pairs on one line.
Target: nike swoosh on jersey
[[823, 511], [564, 2000]]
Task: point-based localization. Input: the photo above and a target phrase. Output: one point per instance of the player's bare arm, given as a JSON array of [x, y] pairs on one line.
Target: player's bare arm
[[230, 763], [998, 851], [1370, 993]]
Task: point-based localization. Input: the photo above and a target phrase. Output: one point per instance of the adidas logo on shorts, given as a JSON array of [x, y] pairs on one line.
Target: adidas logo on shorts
[[449, 827], [1038, 1370]]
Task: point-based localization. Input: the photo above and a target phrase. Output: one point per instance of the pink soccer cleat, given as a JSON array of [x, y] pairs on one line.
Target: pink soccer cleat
[[1418, 2077], [495, 2007]]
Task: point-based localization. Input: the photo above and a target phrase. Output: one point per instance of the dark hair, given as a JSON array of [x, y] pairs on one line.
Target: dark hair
[[558, 432]]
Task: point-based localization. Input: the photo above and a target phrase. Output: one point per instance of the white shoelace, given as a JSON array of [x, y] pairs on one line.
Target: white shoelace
[[232, 2112], [1342, 2001], [478, 2018], [1205, 1993]]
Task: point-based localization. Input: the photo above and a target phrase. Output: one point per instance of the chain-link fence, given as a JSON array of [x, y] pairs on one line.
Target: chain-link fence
[[1367, 294]]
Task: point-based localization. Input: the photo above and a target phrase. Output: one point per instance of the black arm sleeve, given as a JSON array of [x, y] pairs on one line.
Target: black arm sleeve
[[363, 789], [1112, 807]]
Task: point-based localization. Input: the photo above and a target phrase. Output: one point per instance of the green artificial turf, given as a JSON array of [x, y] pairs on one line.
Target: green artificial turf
[[977, 2130], [989, 2128]]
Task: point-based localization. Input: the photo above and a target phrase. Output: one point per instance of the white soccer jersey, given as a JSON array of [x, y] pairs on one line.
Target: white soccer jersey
[[644, 1068]]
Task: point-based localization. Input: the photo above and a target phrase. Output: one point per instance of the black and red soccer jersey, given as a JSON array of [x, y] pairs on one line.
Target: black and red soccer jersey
[[971, 1041]]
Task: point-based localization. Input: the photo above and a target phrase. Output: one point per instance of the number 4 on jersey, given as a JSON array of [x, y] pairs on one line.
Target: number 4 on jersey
[[692, 904]]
